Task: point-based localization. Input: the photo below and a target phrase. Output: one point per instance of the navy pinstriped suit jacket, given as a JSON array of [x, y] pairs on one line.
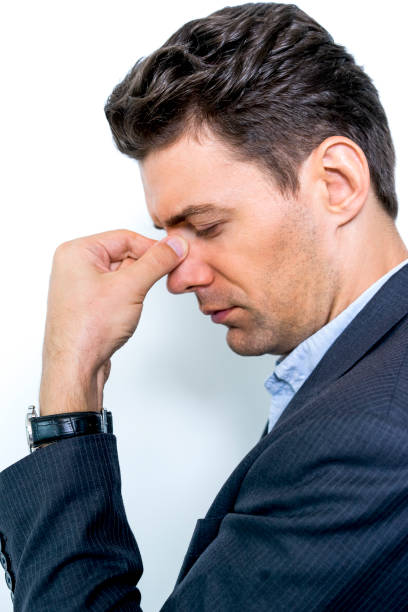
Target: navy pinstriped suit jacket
[[315, 517]]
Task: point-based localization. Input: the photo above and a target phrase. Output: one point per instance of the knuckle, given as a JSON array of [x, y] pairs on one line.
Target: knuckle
[[160, 258], [64, 249], [150, 266], [60, 250], [64, 246]]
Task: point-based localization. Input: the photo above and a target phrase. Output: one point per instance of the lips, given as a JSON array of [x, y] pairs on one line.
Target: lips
[[211, 311], [220, 315]]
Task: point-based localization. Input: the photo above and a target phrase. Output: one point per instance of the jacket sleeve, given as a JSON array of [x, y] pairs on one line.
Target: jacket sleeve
[[66, 541]]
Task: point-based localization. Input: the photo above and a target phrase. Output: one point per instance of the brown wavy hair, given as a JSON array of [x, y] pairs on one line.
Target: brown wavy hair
[[265, 78]]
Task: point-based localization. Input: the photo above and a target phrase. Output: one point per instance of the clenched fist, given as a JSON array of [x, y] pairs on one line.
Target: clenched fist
[[95, 299]]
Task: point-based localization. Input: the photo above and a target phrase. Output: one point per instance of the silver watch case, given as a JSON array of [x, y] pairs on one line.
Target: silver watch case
[[30, 415]]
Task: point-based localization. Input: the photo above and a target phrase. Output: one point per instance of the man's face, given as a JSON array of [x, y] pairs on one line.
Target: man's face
[[252, 249]]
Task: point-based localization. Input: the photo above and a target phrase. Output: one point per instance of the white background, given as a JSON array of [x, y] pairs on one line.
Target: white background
[[185, 408]]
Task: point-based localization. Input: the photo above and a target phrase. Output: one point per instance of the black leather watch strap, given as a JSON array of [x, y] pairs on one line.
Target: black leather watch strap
[[54, 427]]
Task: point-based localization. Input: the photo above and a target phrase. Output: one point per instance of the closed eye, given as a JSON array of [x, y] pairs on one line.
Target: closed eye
[[207, 231]]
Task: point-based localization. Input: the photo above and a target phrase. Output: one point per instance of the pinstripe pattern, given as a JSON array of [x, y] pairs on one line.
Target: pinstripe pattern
[[69, 530], [315, 517]]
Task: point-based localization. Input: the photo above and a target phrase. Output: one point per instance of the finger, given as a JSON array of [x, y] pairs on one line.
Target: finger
[[128, 261], [118, 244], [158, 260]]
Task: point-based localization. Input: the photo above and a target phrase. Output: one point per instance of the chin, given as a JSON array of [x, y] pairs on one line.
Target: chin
[[247, 346]]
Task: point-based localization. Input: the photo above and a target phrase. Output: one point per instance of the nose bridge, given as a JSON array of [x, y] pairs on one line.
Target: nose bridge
[[192, 272]]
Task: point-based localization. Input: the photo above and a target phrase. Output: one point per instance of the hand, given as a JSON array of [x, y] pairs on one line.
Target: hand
[[95, 299]]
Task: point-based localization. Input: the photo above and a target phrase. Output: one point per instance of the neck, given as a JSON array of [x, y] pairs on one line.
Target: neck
[[371, 246]]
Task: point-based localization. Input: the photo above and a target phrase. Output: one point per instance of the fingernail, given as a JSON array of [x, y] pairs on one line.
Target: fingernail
[[178, 244]]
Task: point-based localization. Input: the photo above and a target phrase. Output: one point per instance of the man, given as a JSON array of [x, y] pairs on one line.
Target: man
[[266, 156]]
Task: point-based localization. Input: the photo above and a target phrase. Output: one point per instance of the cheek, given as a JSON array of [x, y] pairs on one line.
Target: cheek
[[262, 249], [270, 260]]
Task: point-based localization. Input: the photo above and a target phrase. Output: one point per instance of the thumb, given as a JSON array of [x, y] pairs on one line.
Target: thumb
[[160, 259]]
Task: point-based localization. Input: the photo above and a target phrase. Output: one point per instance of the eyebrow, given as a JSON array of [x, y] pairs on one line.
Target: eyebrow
[[191, 211]]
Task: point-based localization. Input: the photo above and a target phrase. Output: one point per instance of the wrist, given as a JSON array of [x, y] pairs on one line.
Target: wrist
[[62, 389]]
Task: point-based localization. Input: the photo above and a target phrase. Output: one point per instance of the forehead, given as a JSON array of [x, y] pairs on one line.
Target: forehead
[[197, 176]]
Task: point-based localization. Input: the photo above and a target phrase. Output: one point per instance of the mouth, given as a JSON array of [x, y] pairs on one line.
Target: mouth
[[218, 316]]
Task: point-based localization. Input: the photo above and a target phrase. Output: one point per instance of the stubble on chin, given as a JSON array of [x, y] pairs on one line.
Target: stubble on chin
[[252, 337]]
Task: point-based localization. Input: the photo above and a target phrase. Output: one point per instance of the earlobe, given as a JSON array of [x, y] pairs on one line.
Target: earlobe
[[345, 172]]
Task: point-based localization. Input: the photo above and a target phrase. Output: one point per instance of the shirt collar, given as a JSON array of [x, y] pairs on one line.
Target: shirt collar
[[299, 363]]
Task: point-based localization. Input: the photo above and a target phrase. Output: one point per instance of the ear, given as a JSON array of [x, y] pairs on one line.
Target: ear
[[342, 167]]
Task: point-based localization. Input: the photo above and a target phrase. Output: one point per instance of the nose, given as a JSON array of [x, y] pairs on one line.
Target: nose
[[191, 273]]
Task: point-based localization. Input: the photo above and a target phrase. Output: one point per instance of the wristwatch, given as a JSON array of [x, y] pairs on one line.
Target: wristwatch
[[52, 427]]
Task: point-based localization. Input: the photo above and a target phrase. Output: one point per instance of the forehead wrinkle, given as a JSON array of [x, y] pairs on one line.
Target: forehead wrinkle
[[191, 211]]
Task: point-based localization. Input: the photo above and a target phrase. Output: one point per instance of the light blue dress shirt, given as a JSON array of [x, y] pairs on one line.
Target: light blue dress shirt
[[291, 371]]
